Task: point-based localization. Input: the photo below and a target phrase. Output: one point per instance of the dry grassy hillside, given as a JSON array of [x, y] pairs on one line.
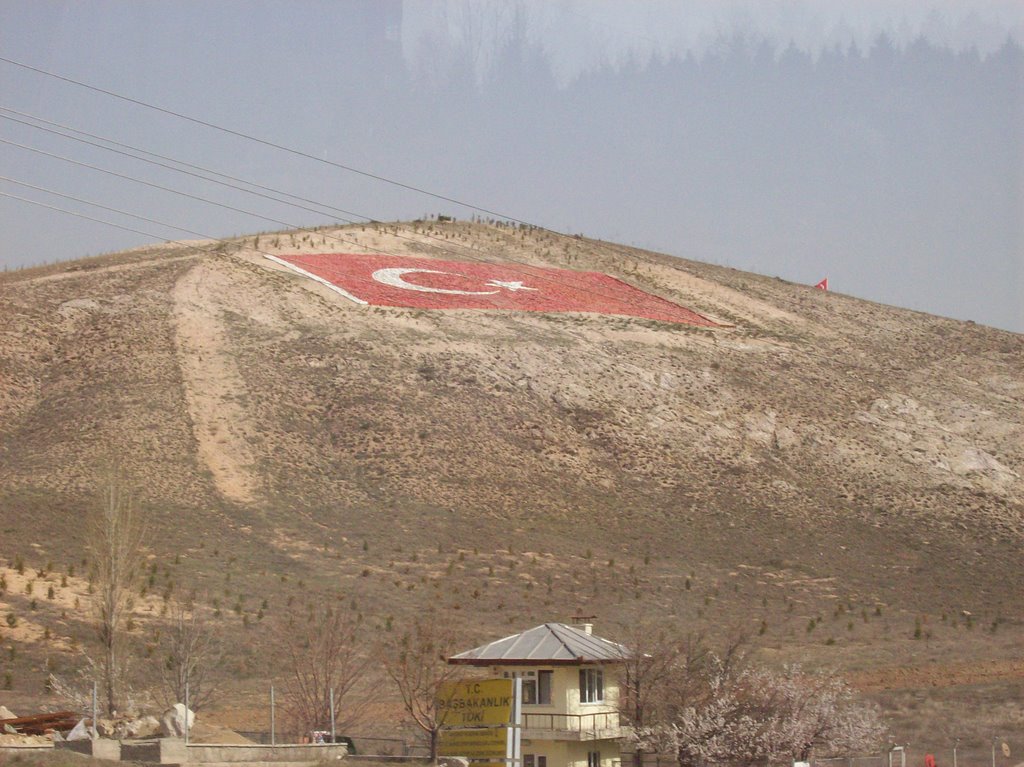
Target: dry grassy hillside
[[844, 480]]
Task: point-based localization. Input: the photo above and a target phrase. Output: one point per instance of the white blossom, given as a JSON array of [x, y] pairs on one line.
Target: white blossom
[[757, 717]]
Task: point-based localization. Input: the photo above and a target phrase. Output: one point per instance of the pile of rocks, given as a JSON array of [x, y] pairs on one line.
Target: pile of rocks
[[171, 724]]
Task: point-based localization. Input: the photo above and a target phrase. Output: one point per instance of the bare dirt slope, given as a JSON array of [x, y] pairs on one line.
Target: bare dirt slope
[[845, 480]]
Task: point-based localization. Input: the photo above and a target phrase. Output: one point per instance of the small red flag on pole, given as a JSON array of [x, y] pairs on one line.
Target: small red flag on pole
[[823, 285]]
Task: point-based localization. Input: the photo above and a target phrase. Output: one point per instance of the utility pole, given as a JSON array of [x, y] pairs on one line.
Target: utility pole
[[332, 717], [273, 737]]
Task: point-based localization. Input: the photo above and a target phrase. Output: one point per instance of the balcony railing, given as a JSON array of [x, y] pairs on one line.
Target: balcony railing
[[581, 724]]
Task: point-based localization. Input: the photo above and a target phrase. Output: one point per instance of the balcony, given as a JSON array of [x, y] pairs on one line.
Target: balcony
[[596, 726]]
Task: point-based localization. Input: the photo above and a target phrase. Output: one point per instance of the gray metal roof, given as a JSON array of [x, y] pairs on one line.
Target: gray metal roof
[[547, 644]]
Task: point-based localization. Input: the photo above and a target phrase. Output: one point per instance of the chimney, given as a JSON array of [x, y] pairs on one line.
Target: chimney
[[584, 623]]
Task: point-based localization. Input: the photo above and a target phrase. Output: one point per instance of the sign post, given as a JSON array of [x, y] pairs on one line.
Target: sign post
[[515, 755]]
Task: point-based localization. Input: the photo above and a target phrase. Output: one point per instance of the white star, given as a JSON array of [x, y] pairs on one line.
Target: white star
[[513, 286]]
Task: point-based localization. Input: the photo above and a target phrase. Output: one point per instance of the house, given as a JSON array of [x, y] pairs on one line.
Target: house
[[570, 692]]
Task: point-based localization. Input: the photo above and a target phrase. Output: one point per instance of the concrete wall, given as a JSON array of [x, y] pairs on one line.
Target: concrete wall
[[174, 751], [203, 752], [100, 749]]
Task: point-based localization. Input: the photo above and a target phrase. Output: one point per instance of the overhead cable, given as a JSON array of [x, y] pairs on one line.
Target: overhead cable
[[333, 210], [258, 140], [445, 246], [291, 150]]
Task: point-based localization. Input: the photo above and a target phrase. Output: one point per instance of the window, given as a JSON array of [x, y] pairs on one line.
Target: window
[[544, 681], [591, 685], [593, 759], [533, 692], [529, 760], [542, 761], [529, 691], [536, 686]]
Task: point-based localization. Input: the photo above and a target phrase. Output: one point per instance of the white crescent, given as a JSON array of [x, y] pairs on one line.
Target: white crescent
[[394, 278]]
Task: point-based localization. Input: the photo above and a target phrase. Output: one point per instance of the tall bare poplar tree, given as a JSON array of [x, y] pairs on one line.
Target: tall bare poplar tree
[[116, 535]]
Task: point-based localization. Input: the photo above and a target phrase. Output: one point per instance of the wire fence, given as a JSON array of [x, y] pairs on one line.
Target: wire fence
[[852, 761], [995, 751]]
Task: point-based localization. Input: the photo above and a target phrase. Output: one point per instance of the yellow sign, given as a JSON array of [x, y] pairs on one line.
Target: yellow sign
[[475, 703], [480, 743]]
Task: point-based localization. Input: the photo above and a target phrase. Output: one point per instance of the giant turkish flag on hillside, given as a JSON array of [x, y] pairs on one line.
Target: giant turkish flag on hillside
[[424, 283]]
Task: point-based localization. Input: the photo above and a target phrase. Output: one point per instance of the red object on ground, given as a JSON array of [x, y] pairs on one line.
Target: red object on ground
[[385, 280], [823, 285]]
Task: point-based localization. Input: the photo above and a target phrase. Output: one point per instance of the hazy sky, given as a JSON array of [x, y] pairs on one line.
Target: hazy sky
[[879, 143]]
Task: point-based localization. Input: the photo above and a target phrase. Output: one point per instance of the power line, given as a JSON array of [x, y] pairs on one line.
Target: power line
[[97, 220], [445, 247], [197, 198], [268, 255], [295, 152], [330, 208], [264, 142], [153, 185], [160, 223], [104, 207], [289, 150], [276, 259]]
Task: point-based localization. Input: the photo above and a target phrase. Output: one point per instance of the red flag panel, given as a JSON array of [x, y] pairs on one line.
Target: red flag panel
[[385, 280]]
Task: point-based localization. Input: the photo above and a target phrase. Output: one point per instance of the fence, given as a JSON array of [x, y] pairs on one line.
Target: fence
[[994, 752], [649, 760], [880, 760], [579, 723]]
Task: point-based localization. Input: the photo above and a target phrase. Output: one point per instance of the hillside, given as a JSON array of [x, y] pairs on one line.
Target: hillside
[[845, 480]]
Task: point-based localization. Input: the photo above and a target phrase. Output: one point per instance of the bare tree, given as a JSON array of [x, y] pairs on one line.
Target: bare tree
[[663, 671], [649, 658], [324, 657], [116, 535], [192, 653], [417, 662]]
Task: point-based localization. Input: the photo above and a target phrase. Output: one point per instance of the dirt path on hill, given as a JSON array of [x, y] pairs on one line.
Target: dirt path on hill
[[213, 384]]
